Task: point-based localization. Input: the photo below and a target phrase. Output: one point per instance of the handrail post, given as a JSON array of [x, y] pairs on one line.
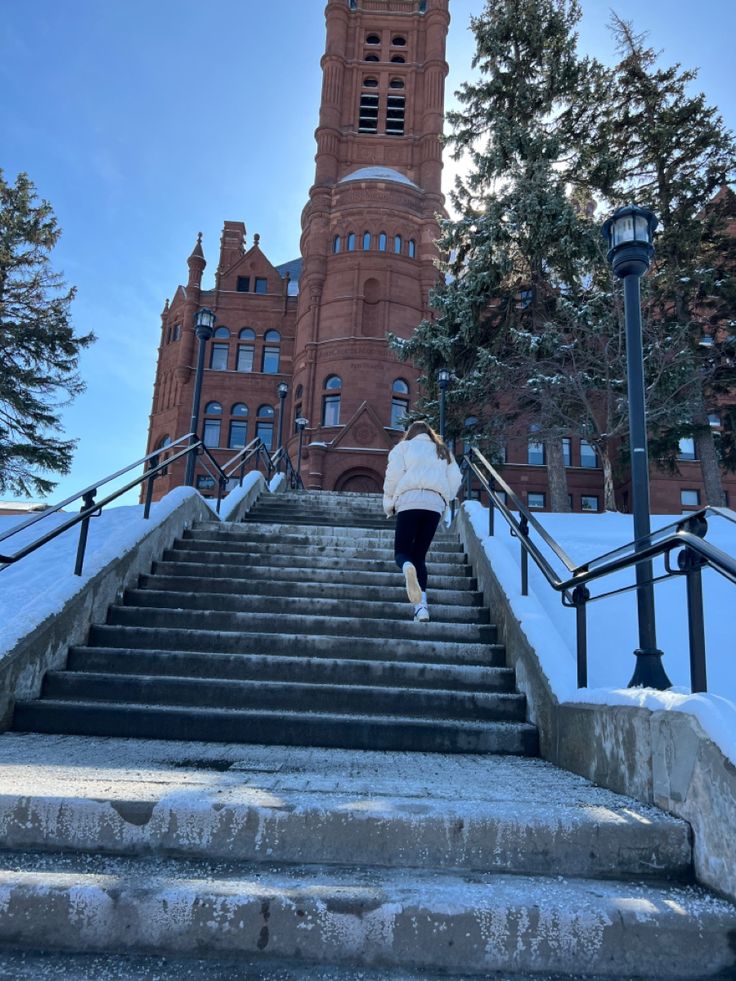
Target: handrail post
[[221, 482], [87, 502], [580, 597], [691, 564], [491, 509], [524, 529], [149, 487], [468, 483]]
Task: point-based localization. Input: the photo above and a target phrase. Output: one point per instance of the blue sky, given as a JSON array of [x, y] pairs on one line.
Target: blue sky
[[143, 123]]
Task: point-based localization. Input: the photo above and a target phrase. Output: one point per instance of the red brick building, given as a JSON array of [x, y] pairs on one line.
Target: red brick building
[[319, 323]]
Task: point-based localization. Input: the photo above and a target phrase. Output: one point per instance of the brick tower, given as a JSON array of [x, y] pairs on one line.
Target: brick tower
[[368, 233]]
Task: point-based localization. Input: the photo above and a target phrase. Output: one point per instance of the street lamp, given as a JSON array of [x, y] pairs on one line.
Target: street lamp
[[443, 380], [629, 233], [301, 424], [282, 390], [204, 328]]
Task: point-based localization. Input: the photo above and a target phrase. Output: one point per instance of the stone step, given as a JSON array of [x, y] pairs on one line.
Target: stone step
[[300, 625], [303, 645], [251, 533], [308, 559], [281, 547], [455, 603], [294, 603], [374, 917], [318, 670], [184, 564], [295, 543], [395, 733], [250, 823], [289, 696], [314, 519], [385, 533]]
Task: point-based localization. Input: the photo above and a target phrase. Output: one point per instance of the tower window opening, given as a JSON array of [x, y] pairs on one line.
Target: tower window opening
[[176, 333], [243, 284], [373, 39], [370, 82], [382, 242], [366, 241], [396, 83], [271, 353], [396, 59], [412, 249], [371, 57], [398, 41], [368, 117], [395, 109], [399, 404], [398, 244], [336, 245], [351, 242]]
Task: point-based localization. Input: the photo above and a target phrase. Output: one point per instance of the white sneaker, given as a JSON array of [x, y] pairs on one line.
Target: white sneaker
[[413, 589], [421, 615]]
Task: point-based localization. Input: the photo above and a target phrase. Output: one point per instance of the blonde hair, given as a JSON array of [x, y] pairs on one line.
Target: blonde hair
[[420, 428]]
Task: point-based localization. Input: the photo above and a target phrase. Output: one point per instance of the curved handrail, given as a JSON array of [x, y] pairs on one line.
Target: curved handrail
[[687, 533]]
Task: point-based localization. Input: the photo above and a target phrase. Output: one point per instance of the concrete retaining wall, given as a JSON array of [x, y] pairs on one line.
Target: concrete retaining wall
[[662, 758], [45, 647]]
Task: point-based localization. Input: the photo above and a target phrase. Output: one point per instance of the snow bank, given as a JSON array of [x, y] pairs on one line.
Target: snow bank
[[612, 621]]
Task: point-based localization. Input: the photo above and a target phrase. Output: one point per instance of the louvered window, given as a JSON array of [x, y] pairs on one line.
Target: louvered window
[[396, 105], [368, 120]]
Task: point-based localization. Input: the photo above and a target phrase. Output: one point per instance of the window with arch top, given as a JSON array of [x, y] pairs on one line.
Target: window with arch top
[[264, 425], [382, 241], [271, 353], [238, 434], [331, 401], [212, 426], [336, 244], [398, 244], [246, 349], [219, 349], [412, 249], [351, 242], [399, 403], [367, 238]]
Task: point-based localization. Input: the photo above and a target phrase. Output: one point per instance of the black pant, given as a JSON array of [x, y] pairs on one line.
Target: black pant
[[414, 533]]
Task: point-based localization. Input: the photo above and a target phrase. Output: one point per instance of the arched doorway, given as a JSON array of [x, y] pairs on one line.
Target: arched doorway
[[359, 481]]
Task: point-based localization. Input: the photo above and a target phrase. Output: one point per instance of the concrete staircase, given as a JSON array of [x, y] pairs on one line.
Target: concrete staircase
[[233, 858], [293, 628]]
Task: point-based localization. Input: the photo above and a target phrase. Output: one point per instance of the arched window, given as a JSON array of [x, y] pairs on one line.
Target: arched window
[[382, 242], [219, 349], [470, 426], [371, 57], [264, 425], [397, 60], [246, 349], [351, 242], [271, 352], [370, 82], [336, 244], [398, 244], [412, 248], [212, 426], [399, 403], [238, 434], [366, 241], [398, 41], [331, 401], [299, 391], [396, 83], [373, 39]]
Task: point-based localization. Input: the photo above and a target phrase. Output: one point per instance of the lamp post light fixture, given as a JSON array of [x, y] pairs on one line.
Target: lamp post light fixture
[[282, 390], [301, 424], [443, 380], [629, 233], [204, 328]]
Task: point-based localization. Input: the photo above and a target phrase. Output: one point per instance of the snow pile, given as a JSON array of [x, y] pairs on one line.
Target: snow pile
[[41, 584], [612, 622]]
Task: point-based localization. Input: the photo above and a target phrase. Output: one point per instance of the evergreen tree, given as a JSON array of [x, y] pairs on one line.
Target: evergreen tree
[[523, 236], [675, 155], [39, 351]]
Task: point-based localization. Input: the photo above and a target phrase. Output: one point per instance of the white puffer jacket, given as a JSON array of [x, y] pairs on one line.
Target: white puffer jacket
[[413, 464]]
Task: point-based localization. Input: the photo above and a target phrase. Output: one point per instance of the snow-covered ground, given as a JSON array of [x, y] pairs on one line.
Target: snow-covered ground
[[612, 622]]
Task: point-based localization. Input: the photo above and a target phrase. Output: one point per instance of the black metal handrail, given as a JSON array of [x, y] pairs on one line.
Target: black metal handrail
[[190, 443], [687, 533], [254, 452], [282, 460]]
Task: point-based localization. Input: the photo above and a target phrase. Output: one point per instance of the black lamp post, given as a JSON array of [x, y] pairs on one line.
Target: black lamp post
[[629, 233], [443, 380], [282, 390], [301, 424], [204, 328]]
